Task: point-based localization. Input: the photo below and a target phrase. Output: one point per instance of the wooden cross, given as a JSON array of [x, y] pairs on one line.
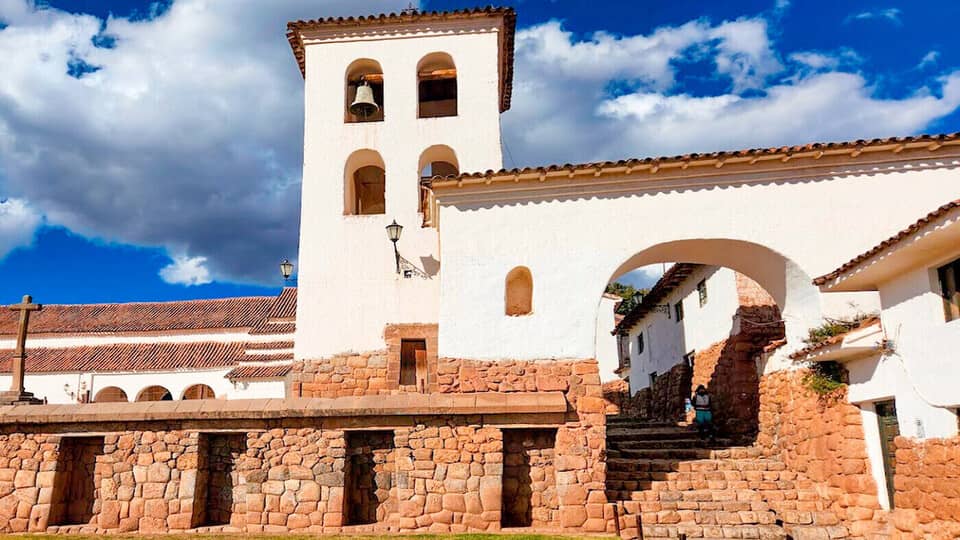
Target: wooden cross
[[20, 354]]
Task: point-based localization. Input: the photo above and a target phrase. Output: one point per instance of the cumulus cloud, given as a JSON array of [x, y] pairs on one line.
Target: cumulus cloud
[[184, 130], [564, 110], [185, 270], [17, 224]]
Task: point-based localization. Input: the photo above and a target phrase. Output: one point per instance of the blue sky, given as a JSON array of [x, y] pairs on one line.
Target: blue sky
[[152, 151]]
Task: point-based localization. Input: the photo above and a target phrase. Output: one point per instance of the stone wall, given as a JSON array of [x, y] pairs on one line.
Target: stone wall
[[927, 488], [529, 496], [820, 437]]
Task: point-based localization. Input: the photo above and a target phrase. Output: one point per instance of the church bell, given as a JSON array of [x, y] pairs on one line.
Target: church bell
[[363, 104]]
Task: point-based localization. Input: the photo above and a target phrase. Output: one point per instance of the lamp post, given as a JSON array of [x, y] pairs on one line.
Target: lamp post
[[286, 269], [393, 233]]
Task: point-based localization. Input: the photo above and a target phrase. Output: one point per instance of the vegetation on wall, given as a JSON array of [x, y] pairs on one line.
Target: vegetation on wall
[[835, 327], [825, 377], [630, 294]]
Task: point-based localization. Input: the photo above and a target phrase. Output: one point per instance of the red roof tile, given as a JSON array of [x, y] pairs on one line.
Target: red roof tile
[[270, 345], [129, 357], [258, 371], [903, 234], [295, 28], [241, 312], [655, 164], [285, 305]]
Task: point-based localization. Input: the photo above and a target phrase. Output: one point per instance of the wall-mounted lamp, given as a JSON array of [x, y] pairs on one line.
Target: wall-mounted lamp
[[286, 269], [393, 233]]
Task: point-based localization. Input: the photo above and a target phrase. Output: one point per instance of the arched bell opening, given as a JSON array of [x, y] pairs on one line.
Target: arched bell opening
[[364, 184], [199, 391], [363, 91], [437, 161], [436, 86]]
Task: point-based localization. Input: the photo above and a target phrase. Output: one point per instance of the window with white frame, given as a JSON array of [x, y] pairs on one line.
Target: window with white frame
[[949, 275]]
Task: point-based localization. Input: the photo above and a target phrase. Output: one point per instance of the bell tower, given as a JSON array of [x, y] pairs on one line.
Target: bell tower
[[390, 101]]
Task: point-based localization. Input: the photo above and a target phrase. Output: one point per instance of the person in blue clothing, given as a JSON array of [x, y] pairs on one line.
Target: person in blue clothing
[[704, 413]]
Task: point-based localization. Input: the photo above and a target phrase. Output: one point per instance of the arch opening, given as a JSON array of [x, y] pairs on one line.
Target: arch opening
[[518, 292], [111, 394], [199, 391], [436, 86], [364, 184], [701, 312], [437, 161], [363, 72], [155, 393]]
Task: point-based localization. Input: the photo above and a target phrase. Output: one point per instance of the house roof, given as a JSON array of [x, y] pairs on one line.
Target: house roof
[[241, 312], [904, 234], [258, 371], [128, 357], [815, 348], [671, 279], [295, 31], [752, 156]]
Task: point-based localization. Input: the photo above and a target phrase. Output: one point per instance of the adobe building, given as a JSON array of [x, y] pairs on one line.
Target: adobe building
[[444, 372]]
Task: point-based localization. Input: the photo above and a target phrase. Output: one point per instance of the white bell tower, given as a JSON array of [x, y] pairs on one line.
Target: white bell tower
[[388, 99]]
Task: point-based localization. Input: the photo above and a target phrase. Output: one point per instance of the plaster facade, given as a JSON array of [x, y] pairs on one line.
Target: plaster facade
[[607, 356], [346, 260]]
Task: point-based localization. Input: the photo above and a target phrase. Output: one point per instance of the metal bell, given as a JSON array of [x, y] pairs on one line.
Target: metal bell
[[363, 104]]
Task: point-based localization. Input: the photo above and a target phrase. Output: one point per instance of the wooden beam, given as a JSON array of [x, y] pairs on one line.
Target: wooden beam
[[432, 75]]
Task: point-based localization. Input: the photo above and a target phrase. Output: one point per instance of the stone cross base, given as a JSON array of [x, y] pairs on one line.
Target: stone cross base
[[12, 397]]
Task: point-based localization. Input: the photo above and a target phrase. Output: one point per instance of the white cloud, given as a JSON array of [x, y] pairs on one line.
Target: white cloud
[[644, 277], [189, 136], [564, 114], [186, 270], [888, 14], [18, 221], [929, 59]]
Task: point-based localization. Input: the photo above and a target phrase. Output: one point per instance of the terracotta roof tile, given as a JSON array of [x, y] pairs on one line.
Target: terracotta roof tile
[[241, 312], [295, 28], [279, 328], [671, 279], [903, 234], [272, 371], [129, 357], [269, 345], [654, 164], [285, 305]]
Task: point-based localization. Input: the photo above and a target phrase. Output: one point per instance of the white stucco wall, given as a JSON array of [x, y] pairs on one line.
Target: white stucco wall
[[607, 357], [779, 227], [348, 289], [666, 341]]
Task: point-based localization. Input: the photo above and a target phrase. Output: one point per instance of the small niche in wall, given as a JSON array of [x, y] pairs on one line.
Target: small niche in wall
[[529, 493], [76, 484], [368, 478], [219, 498]]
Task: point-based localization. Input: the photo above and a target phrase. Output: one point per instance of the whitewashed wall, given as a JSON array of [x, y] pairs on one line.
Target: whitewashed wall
[[348, 288], [607, 357], [666, 341], [780, 226]]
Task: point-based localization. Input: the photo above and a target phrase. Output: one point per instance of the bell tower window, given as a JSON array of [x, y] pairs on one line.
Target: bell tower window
[[365, 184], [364, 92], [438, 161], [437, 86]]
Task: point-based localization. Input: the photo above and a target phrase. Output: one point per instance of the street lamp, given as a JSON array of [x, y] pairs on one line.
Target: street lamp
[[393, 233], [286, 269]]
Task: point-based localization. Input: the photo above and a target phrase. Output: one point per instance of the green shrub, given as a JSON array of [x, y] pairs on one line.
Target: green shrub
[[825, 377]]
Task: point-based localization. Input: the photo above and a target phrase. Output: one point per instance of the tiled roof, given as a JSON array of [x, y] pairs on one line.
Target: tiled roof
[[129, 357], [295, 28], [244, 312], [903, 234], [271, 371], [751, 156], [269, 345], [280, 328], [671, 279], [285, 305], [810, 349]]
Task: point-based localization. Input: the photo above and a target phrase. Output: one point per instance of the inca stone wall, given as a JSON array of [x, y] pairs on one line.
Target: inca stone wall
[[927, 484]]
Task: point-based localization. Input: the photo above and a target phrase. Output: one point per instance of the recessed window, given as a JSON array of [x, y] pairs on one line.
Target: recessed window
[[678, 311], [364, 184], [436, 86], [413, 359], [949, 278], [689, 358], [653, 378], [519, 292], [702, 292], [640, 343]]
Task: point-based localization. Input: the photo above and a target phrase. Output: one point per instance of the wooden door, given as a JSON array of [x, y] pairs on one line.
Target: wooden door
[[889, 430]]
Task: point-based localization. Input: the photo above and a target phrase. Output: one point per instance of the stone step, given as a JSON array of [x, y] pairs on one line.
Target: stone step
[[615, 435], [691, 442], [738, 452], [707, 532]]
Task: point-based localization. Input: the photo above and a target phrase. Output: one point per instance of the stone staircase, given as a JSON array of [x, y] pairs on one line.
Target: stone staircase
[[679, 485]]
